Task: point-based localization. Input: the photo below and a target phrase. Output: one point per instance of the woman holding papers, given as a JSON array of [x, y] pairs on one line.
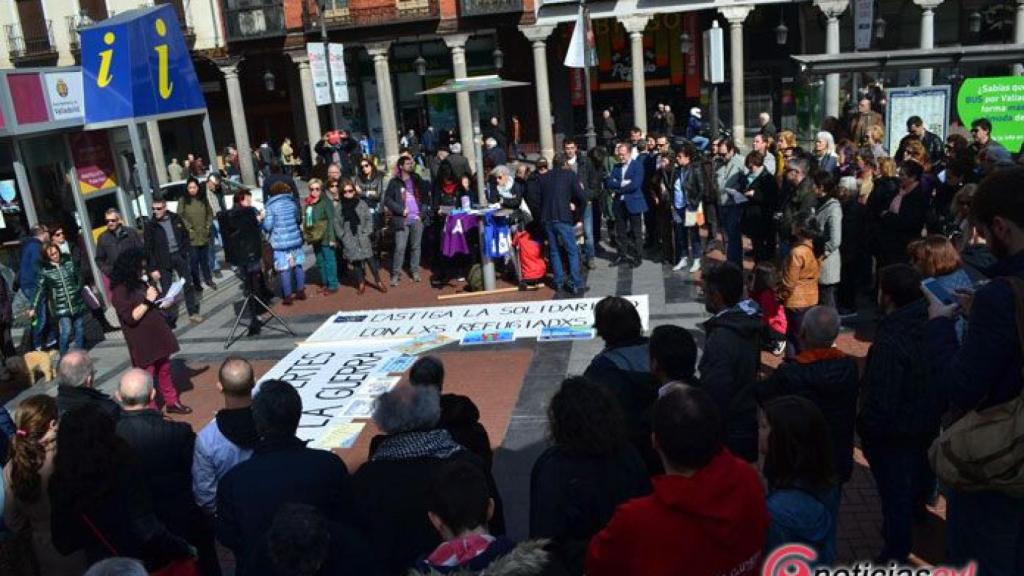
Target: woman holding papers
[[150, 340], [59, 280]]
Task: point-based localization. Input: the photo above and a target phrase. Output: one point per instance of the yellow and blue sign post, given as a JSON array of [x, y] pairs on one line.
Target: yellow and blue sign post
[[135, 65]]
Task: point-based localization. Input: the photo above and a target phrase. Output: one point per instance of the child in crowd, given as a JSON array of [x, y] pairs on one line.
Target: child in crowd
[[763, 289]]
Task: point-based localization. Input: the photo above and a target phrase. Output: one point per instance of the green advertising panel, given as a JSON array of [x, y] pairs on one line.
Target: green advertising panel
[[1001, 100]]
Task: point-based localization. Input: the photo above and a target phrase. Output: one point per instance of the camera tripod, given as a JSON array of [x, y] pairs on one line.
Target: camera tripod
[[251, 301]]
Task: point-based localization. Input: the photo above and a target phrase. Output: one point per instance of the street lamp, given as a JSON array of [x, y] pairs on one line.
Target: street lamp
[[781, 31], [974, 22], [421, 66], [879, 27], [499, 58], [685, 43], [269, 80]]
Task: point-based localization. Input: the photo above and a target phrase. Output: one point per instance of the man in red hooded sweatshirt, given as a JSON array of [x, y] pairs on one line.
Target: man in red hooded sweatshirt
[[707, 514]]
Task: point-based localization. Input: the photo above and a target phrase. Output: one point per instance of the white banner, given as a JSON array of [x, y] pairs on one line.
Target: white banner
[[318, 69], [527, 319], [863, 18], [336, 382]]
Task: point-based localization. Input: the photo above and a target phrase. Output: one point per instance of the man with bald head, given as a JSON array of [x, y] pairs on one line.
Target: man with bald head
[[826, 376], [75, 375], [163, 449], [230, 438]]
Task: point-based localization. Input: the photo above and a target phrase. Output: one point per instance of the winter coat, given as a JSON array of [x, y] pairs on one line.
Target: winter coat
[[829, 216], [61, 285], [799, 287], [28, 268], [899, 406], [355, 246], [831, 380], [985, 370], [572, 496], [728, 371], [280, 471], [163, 449], [124, 515], [461, 418], [112, 244], [711, 523], [797, 516], [693, 185], [392, 497], [348, 552], [150, 338], [197, 215], [759, 210], [531, 262], [372, 190], [893, 232], [158, 254], [394, 201], [626, 372], [502, 558], [281, 222], [324, 211], [559, 188], [221, 445], [626, 183], [854, 228], [730, 176], [71, 397]]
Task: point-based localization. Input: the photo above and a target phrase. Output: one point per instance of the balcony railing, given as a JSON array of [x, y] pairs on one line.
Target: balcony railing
[[31, 45], [346, 15], [486, 7], [253, 19]]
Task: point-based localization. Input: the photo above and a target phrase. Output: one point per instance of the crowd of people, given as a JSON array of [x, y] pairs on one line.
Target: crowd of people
[[660, 458]]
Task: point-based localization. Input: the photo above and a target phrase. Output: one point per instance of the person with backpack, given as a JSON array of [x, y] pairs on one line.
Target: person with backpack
[[985, 521]]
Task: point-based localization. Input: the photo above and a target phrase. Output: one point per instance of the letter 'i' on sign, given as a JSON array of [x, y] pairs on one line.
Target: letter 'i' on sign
[[106, 56], [164, 83]]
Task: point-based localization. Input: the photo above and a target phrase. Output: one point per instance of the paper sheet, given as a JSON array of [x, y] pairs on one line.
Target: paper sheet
[[399, 364], [424, 343], [172, 293], [341, 435]]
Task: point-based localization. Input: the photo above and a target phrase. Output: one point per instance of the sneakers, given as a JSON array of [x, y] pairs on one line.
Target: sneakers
[[696, 265], [394, 281], [778, 348], [195, 318], [415, 277], [683, 263]]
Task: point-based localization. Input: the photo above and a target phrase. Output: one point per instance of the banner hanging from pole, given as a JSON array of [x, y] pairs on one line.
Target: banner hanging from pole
[[582, 51]]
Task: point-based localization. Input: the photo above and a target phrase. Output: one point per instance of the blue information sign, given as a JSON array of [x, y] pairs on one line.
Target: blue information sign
[[136, 64]]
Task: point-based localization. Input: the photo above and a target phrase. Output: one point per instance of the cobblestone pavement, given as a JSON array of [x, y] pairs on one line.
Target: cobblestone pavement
[[514, 411]]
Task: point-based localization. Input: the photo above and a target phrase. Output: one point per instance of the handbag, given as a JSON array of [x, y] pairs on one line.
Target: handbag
[[984, 450], [497, 236], [90, 299], [698, 216], [315, 232], [180, 567]]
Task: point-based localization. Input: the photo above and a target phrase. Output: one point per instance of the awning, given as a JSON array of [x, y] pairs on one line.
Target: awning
[[472, 84], [946, 56]]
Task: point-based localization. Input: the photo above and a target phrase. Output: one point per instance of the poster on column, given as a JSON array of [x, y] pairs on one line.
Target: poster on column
[[94, 162], [336, 382], [527, 319], [318, 69], [931, 104]]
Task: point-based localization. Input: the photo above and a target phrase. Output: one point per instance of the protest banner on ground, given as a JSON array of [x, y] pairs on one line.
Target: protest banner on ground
[[527, 319], [336, 382]]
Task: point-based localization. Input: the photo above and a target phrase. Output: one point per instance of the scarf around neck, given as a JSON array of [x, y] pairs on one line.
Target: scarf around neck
[[419, 444]]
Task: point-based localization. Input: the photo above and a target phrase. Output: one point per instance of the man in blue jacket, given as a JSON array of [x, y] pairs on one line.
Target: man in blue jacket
[[28, 270], [561, 197], [985, 526], [626, 184]]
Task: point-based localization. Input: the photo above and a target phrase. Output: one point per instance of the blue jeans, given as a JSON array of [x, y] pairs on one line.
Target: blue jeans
[[286, 280], [327, 263], [987, 527], [899, 476], [215, 241], [687, 237], [730, 219], [588, 232], [67, 324], [563, 231]]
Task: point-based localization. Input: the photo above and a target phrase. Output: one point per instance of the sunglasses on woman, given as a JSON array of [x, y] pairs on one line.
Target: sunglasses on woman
[[347, 190]]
